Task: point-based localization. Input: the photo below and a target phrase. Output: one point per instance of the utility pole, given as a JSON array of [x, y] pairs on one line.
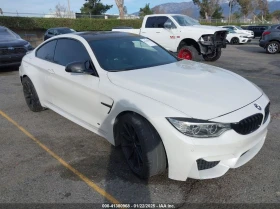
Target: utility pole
[[69, 14], [230, 7]]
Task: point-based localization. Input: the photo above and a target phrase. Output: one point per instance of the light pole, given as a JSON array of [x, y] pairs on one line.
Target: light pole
[[230, 6], [69, 15]]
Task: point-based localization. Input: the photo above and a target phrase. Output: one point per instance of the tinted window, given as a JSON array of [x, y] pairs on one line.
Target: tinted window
[[46, 51], [50, 31], [151, 21], [68, 50], [129, 53], [156, 22], [278, 27], [64, 30], [6, 34]]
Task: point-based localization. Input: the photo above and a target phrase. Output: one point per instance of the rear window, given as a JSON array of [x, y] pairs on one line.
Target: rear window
[[64, 30], [6, 34]]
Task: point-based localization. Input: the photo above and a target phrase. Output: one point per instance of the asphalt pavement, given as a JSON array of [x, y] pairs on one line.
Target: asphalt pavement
[[30, 174]]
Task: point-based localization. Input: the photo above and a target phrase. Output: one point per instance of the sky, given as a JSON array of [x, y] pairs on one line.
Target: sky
[[44, 6]]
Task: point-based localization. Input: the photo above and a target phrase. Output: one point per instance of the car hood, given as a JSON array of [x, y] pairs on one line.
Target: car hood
[[201, 91], [12, 42], [204, 28]]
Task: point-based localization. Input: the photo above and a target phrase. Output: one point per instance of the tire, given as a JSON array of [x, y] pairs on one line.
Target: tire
[[272, 47], [234, 41], [30, 95], [213, 56], [141, 146], [188, 53]]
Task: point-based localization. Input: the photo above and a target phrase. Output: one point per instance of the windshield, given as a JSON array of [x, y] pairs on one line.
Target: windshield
[[239, 28], [65, 30], [185, 20], [129, 53], [6, 34], [230, 30]]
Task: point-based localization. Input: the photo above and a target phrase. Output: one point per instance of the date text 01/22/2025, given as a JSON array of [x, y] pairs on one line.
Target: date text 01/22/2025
[[164, 205]]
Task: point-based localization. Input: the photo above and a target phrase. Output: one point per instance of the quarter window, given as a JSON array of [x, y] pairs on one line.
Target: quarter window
[[46, 52], [69, 50]]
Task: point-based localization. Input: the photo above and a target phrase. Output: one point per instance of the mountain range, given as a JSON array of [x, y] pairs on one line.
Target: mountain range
[[192, 10]]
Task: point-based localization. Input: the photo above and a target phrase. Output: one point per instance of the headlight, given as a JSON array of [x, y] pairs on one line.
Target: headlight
[[199, 128], [28, 46]]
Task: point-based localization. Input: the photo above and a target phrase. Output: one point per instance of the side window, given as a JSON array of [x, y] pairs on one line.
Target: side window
[[50, 32], [160, 22], [46, 52], [151, 21], [68, 50], [278, 27]]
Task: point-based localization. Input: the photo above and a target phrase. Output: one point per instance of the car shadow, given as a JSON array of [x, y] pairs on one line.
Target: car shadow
[[250, 48], [8, 69]]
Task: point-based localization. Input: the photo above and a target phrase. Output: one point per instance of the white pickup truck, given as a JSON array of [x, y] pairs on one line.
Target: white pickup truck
[[183, 35]]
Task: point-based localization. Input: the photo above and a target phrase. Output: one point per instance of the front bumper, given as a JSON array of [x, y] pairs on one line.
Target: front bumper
[[205, 158], [10, 60]]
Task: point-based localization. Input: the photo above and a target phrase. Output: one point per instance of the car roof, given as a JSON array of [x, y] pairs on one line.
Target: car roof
[[3, 28], [101, 35], [58, 28]]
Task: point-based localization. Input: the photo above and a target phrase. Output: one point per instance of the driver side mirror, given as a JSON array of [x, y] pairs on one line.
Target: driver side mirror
[[80, 68], [167, 25]]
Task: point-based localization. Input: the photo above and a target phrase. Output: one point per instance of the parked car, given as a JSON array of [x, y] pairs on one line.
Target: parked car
[[250, 34], [57, 31], [12, 48], [183, 35], [258, 29], [237, 38], [157, 107], [270, 39]]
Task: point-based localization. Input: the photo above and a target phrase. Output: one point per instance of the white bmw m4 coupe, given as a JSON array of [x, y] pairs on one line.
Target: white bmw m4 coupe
[[195, 120]]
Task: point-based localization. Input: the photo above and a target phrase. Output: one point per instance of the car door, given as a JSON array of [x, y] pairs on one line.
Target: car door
[[154, 29], [74, 95], [41, 67]]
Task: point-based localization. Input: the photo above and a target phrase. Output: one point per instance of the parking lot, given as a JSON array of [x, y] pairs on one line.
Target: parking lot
[[45, 158]]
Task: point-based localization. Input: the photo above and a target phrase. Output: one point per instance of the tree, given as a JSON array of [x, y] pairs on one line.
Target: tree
[[207, 7], [246, 7], [60, 11], [95, 7], [120, 5], [262, 6], [218, 13], [145, 10], [276, 14]]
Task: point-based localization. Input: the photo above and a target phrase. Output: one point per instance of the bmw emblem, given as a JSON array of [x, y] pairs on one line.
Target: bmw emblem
[[258, 106]]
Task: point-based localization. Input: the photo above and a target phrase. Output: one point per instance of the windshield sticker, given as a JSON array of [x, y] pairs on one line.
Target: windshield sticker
[[149, 42]]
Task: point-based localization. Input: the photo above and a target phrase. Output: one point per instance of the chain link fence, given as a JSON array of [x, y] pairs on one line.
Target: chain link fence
[[71, 15], [255, 21]]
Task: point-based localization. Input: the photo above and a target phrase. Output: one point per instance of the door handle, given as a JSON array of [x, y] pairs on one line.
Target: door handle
[[157, 32], [51, 71]]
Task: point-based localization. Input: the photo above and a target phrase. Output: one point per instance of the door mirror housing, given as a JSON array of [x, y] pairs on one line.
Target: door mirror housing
[[79, 68], [168, 25]]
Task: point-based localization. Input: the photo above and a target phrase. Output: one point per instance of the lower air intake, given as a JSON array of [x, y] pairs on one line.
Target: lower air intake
[[203, 164]]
